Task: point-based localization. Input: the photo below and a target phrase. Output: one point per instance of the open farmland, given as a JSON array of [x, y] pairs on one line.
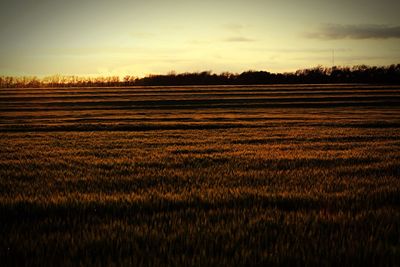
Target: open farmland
[[203, 176]]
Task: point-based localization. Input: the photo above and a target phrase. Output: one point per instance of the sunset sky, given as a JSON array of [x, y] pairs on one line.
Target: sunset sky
[[46, 37]]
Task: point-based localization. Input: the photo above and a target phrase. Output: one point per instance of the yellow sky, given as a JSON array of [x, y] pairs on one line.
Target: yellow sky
[[101, 37]]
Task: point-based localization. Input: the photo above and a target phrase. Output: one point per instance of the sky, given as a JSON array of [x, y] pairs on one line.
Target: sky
[[120, 37]]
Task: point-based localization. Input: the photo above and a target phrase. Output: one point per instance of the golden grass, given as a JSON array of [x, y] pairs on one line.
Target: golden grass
[[229, 186]]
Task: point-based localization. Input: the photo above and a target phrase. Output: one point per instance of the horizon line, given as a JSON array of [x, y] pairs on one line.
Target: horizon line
[[173, 72]]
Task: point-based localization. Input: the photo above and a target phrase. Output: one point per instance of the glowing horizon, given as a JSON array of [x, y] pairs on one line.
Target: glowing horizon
[[102, 38]]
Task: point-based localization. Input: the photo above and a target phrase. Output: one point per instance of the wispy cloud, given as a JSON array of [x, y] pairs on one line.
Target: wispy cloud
[[89, 51], [362, 31], [112, 51], [237, 33], [309, 50], [142, 34], [233, 27], [240, 39]]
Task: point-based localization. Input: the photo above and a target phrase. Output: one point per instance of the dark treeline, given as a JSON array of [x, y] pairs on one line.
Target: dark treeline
[[357, 74]]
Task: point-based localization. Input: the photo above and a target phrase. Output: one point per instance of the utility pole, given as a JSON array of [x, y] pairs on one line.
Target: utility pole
[[333, 57]]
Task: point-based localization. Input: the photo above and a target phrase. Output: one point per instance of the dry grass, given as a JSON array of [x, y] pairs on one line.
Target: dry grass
[[215, 183]]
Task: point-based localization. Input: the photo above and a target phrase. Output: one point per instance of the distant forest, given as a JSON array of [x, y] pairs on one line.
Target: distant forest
[[357, 74]]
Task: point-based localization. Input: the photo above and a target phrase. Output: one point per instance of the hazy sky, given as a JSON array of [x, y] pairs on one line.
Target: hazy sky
[[98, 37]]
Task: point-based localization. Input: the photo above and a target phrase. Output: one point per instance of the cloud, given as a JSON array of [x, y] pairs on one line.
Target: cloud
[[142, 51], [238, 39], [198, 42], [234, 27], [142, 34], [237, 33], [362, 31], [309, 50]]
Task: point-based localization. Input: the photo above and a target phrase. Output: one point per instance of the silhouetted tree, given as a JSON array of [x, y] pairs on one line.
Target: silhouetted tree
[[356, 74]]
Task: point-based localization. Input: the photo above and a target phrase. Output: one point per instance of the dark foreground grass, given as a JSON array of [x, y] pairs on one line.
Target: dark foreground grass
[[278, 187]]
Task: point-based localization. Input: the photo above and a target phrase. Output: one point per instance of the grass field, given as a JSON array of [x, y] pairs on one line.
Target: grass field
[[200, 176]]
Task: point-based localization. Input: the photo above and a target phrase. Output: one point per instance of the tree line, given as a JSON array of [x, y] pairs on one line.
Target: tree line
[[356, 74]]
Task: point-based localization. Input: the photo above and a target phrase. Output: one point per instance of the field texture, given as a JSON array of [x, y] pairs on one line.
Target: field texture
[[200, 176]]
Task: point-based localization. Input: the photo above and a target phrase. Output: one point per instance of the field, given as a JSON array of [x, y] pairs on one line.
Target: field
[[200, 176]]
